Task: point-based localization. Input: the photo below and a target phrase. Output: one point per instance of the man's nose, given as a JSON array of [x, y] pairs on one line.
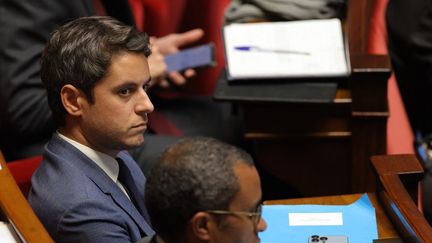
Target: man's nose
[[262, 225], [144, 103]]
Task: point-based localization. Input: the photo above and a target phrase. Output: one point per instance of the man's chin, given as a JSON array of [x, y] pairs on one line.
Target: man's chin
[[132, 143], [137, 142]]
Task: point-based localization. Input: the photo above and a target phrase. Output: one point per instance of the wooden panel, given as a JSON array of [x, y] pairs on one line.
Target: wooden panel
[[359, 12], [312, 166], [297, 119], [368, 138]]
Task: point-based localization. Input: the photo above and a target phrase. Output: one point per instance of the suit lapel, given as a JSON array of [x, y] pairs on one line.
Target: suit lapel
[[123, 202], [118, 196], [138, 185], [101, 179]]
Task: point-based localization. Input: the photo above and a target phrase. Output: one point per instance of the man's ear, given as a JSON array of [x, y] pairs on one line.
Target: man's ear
[[201, 225], [71, 97]]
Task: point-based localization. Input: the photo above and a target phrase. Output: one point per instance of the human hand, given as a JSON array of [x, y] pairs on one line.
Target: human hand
[[171, 44], [157, 65]]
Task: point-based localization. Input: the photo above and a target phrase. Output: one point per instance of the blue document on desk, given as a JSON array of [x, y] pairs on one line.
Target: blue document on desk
[[295, 223]]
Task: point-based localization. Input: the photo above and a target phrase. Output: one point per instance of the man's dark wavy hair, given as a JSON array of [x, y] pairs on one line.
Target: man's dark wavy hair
[[80, 52]]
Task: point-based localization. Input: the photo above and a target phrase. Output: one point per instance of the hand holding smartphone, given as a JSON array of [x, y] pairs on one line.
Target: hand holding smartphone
[[194, 57]]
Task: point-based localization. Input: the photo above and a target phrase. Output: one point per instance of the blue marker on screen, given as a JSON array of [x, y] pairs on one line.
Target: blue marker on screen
[[260, 49]]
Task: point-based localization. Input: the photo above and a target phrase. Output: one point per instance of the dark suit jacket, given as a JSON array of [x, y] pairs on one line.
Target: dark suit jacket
[[25, 118], [26, 122], [77, 201], [409, 27]]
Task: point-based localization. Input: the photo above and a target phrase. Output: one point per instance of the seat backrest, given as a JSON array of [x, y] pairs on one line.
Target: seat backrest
[[22, 171], [16, 210], [162, 17]]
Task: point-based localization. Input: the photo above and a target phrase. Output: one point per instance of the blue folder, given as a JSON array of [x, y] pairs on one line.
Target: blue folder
[[359, 222]]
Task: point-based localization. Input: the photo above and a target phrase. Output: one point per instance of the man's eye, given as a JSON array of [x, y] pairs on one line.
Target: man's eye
[[147, 86], [125, 92]]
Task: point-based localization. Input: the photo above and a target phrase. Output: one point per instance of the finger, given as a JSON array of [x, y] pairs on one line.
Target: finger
[[152, 39], [189, 37], [164, 83], [176, 78], [157, 64], [157, 67], [154, 51], [189, 73]]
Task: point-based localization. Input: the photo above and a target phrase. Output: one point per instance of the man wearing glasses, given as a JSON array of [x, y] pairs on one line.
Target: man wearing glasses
[[204, 190]]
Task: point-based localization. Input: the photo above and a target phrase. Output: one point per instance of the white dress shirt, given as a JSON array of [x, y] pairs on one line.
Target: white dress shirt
[[107, 163]]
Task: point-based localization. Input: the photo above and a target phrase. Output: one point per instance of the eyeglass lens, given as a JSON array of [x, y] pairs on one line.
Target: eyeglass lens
[[257, 217]]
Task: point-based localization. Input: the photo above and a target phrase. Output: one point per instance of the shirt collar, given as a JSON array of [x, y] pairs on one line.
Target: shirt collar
[[107, 163]]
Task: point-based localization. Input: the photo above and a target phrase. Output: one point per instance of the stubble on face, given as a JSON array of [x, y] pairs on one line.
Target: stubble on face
[[117, 119]]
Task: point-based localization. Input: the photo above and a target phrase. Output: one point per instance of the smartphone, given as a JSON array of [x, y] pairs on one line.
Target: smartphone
[[328, 239], [194, 57]]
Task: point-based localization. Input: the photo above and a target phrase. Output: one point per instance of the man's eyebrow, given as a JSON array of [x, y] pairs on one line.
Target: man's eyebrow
[[125, 84], [129, 83]]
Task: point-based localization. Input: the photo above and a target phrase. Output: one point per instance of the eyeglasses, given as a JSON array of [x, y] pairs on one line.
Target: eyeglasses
[[254, 216]]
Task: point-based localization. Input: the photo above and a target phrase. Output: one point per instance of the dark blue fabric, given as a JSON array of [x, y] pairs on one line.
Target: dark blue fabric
[[125, 178]]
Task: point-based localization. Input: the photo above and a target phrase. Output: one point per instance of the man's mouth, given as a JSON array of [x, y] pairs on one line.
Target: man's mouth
[[140, 126]]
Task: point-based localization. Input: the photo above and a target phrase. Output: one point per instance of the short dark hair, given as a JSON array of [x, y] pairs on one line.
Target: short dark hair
[[195, 174], [80, 52]]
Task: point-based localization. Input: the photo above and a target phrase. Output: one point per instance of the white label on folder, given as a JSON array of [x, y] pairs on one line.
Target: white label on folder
[[314, 219]]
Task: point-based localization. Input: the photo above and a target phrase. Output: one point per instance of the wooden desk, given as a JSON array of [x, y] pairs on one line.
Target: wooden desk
[[324, 148], [395, 200], [385, 227]]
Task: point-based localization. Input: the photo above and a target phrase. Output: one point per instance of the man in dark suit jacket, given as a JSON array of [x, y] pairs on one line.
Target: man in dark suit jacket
[[87, 189], [409, 27], [25, 120]]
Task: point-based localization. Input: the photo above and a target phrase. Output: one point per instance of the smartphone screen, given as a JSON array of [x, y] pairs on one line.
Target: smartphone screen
[[328, 239], [194, 57]]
